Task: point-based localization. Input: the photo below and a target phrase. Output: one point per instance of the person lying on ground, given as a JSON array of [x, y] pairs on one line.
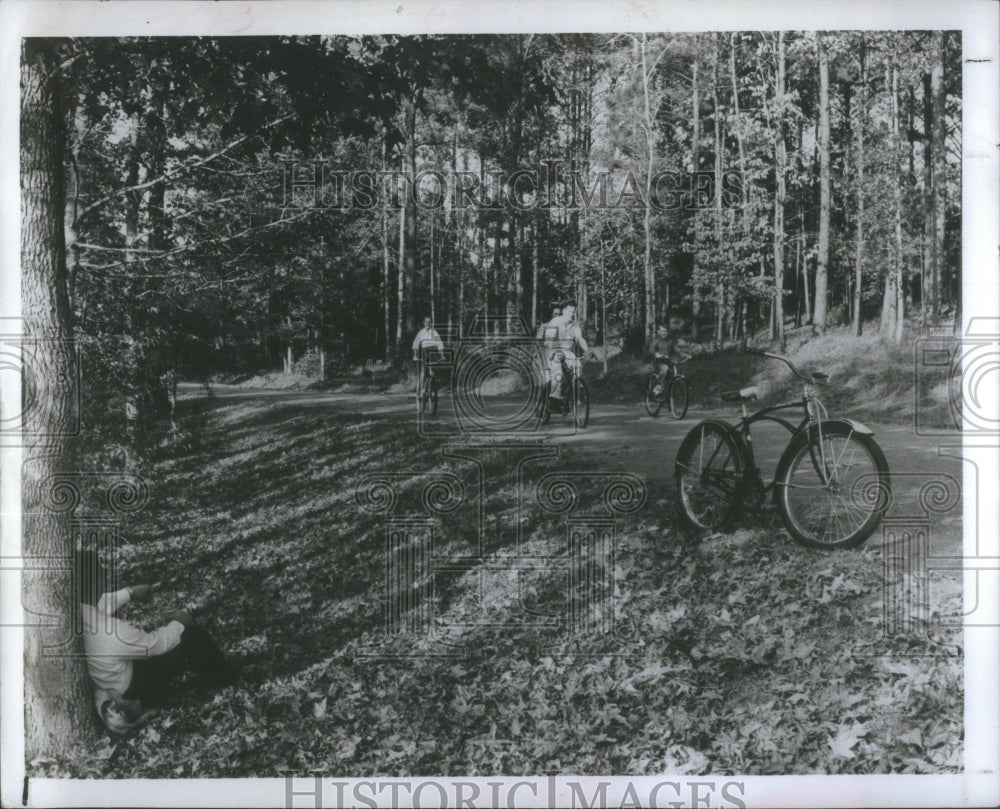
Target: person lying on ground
[[128, 665]]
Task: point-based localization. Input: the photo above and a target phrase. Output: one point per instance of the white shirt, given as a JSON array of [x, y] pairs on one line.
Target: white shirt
[[111, 645], [549, 332], [427, 337], [562, 333]]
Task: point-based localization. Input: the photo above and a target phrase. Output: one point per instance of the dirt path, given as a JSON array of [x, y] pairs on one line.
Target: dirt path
[[625, 438]]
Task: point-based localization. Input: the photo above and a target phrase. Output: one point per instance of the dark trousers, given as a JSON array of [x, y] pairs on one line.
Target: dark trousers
[[197, 652]]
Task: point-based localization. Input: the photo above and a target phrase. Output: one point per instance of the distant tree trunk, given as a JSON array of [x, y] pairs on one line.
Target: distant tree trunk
[[938, 156], [898, 211], [58, 709], [431, 271], [650, 282], [778, 319], [859, 254], [930, 249], [289, 358], [534, 275], [389, 342], [805, 273], [410, 206], [736, 111], [745, 215], [823, 245], [604, 315], [720, 291], [460, 261], [695, 138], [401, 284]]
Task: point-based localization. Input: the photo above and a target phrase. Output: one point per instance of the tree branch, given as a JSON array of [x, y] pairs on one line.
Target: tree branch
[[179, 170]]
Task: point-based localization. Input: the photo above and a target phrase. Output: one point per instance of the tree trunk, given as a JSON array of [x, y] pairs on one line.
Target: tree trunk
[[388, 347], [534, 275], [805, 274], [778, 319], [695, 138], [401, 285], [647, 266], [823, 245], [938, 157], [58, 709], [410, 205], [859, 248], [898, 211], [720, 291], [431, 272], [930, 247]]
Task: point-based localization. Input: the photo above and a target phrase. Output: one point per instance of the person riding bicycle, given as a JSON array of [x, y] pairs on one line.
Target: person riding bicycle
[[562, 336], [427, 338]]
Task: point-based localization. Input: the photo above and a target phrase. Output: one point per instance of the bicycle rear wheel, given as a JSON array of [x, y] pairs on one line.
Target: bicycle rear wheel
[[678, 396], [581, 403], [709, 474], [654, 401], [833, 492]]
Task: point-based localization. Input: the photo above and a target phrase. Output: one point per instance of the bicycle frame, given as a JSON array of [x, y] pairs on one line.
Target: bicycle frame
[[742, 429], [669, 373]]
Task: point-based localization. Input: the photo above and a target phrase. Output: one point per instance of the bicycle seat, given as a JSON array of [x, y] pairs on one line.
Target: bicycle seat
[[744, 395]]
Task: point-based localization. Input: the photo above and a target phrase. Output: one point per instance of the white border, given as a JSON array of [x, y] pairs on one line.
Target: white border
[[979, 21]]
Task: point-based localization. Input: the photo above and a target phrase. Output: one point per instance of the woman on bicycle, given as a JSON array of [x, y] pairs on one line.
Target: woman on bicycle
[[563, 335]]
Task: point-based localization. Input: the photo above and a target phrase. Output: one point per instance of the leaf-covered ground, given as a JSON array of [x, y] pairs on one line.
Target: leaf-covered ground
[[733, 654]]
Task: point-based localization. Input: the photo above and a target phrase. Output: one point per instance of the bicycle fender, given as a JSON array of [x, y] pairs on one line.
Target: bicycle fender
[[857, 426], [786, 457]]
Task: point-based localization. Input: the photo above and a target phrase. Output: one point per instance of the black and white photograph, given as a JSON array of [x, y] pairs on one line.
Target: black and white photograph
[[500, 404]]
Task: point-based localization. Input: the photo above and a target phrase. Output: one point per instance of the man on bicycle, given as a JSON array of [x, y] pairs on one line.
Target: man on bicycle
[[427, 338], [562, 336]]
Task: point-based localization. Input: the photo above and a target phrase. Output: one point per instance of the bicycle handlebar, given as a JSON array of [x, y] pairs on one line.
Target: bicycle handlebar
[[814, 379]]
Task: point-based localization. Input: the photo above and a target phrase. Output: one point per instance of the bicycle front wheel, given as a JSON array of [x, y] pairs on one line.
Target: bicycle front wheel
[[834, 487], [545, 408], [581, 403], [654, 399], [678, 396], [709, 474]]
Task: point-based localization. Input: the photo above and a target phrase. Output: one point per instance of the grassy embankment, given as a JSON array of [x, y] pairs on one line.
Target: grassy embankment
[[735, 654], [871, 378]]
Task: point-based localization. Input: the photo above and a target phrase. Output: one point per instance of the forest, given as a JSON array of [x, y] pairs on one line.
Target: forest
[[207, 230], [206, 209]]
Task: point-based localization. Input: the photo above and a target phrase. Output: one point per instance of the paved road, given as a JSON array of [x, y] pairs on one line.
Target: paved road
[[624, 437]]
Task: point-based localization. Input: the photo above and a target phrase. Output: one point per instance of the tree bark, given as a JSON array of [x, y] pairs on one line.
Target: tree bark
[[409, 266], [401, 284], [859, 254], [823, 245], [930, 247], [938, 156], [58, 712], [720, 291], [897, 211], [647, 265], [778, 319], [695, 142], [388, 347]]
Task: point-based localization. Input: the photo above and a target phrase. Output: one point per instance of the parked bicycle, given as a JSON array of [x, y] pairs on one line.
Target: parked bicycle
[[667, 384], [832, 481], [575, 397]]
